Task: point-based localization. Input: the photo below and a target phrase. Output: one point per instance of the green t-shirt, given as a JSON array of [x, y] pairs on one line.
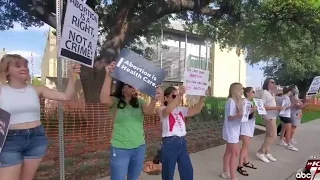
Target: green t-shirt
[[128, 132]]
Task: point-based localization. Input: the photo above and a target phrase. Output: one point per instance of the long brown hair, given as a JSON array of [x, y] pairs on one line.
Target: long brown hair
[[235, 92]]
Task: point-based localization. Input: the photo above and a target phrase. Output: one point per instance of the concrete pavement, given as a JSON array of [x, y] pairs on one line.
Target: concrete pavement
[[207, 164]]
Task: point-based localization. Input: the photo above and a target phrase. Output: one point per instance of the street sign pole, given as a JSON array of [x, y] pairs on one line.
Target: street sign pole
[[59, 10]]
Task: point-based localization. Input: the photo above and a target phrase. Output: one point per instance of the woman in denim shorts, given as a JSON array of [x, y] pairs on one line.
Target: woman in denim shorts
[[26, 143]]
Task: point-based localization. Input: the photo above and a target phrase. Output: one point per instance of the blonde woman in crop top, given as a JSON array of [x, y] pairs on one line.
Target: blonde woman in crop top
[[26, 143]]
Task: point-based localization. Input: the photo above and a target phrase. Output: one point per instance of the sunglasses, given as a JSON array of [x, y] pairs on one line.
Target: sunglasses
[[253, 92], [129, 86], [272, 82], [173, 96]]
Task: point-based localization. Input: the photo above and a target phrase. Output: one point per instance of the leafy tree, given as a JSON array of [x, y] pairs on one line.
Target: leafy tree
[[263, 28], [35, 81]]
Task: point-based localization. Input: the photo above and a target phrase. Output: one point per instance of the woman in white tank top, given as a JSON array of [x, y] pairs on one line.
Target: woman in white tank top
[[26, 143]]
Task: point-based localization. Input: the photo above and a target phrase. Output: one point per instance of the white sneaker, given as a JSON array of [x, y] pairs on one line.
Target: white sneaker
[[293, 141], [282, 143], [270, 157], [292, 148], [262, 157], [225, 175]]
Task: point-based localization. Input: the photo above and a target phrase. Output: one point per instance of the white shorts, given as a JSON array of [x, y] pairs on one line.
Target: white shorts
[[247, 128]]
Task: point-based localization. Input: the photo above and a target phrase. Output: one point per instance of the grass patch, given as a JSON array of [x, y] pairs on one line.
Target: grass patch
[[306, 117]]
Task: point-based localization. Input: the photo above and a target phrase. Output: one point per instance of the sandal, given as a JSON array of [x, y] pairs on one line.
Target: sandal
[[242, 171], [249, 165]]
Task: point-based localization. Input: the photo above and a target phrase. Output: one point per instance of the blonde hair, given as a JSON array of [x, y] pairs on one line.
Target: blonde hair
[[4, 65], [235, 92]]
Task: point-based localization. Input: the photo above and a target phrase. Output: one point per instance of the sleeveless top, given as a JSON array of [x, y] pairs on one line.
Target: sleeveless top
[[23, 104]]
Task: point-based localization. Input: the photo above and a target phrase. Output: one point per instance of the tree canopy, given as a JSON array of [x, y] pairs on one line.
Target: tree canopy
[[269, 30]]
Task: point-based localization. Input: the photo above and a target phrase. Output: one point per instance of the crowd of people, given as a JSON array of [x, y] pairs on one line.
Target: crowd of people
[[26, 143]]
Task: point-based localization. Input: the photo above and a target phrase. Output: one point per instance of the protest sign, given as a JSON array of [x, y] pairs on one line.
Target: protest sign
[[260, 106], [285, 105], [246, 111], [79, 34], [4, 126], [138, 72], [196, 81], [314, 87]]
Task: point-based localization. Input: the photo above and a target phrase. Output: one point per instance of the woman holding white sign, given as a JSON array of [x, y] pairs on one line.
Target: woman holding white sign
[[26, 143], [127, 151], [246, 132], [231, 130], [174, 146]]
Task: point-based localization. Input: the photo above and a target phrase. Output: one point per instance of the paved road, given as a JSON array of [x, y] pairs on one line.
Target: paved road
[[208, 163]]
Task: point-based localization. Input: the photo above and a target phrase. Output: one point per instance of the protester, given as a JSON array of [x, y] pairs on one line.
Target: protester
[[26, 143], [296, 112], [231, 130], [269, 120], [127, 151], [246, 133], [174, 146], [278, 96], [285, 118]]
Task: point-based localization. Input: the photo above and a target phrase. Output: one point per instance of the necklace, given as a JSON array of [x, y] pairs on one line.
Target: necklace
[[23, 90]]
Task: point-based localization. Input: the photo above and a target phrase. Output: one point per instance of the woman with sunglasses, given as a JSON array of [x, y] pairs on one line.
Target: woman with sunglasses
[[127, 151], [174, 146], [246, 133]]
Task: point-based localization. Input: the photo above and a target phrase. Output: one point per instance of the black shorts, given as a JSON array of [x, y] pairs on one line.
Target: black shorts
[[285, 119]]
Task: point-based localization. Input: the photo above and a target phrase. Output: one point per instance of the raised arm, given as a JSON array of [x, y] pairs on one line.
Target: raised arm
[[105, 97], [51, 94], [149, 109], [196, 109]]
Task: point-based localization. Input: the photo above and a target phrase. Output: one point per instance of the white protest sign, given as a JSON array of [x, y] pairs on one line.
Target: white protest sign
[[260, 106], [80, 33], [285, 105], [246, 111], [196, 81], [314, 87]]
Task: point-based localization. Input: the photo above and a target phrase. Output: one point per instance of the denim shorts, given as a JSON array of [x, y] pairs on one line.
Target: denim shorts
[[23, 144]]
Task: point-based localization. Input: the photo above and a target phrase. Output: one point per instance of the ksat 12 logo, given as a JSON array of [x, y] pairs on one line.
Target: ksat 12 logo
[[311, 170]]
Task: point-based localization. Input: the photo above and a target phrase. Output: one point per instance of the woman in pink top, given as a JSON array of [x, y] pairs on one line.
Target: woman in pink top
[[174, 146]]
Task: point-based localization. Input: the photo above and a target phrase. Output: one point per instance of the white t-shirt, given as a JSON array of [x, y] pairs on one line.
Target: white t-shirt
[[231, 128], [269, 100], [174, 123], [287, 112]]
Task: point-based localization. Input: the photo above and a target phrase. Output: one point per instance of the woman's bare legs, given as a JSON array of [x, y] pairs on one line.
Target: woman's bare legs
[[287, 132], [29, 168], [226, 160], [234, 150], [293, 130], [10, 173], [244, 150]]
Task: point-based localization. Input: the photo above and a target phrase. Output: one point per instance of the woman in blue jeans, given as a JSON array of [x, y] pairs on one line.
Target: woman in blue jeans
[[127, 151], [174, 146], [26, 143]]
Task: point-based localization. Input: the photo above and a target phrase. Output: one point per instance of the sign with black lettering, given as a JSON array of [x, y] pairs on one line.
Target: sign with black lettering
[[79, 34], [4, 126], [138, 72], [314, 87]]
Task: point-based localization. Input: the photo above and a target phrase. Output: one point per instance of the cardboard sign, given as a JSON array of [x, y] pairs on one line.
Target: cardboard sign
[[314, 87], [246, 111], [260, 106], [196, 81], [138, 72], [79, 34], [285, 104], [4, 126]]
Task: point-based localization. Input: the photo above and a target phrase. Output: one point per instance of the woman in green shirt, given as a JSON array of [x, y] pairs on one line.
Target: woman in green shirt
[[127, 151]]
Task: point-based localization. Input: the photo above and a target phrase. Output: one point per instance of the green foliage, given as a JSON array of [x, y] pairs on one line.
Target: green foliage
[[35, 81]]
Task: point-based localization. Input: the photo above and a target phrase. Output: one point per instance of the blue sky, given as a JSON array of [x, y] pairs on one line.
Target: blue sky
[[25, 42]]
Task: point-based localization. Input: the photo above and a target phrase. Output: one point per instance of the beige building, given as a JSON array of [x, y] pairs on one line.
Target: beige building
[[3, 52]]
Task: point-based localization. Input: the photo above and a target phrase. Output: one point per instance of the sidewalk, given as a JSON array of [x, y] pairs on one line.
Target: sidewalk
[[207, 164]]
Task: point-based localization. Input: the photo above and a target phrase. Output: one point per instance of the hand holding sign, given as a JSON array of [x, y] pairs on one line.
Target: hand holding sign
[[182, 90], [260, 106], [110, 68], [74, 71], [159, 94]]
